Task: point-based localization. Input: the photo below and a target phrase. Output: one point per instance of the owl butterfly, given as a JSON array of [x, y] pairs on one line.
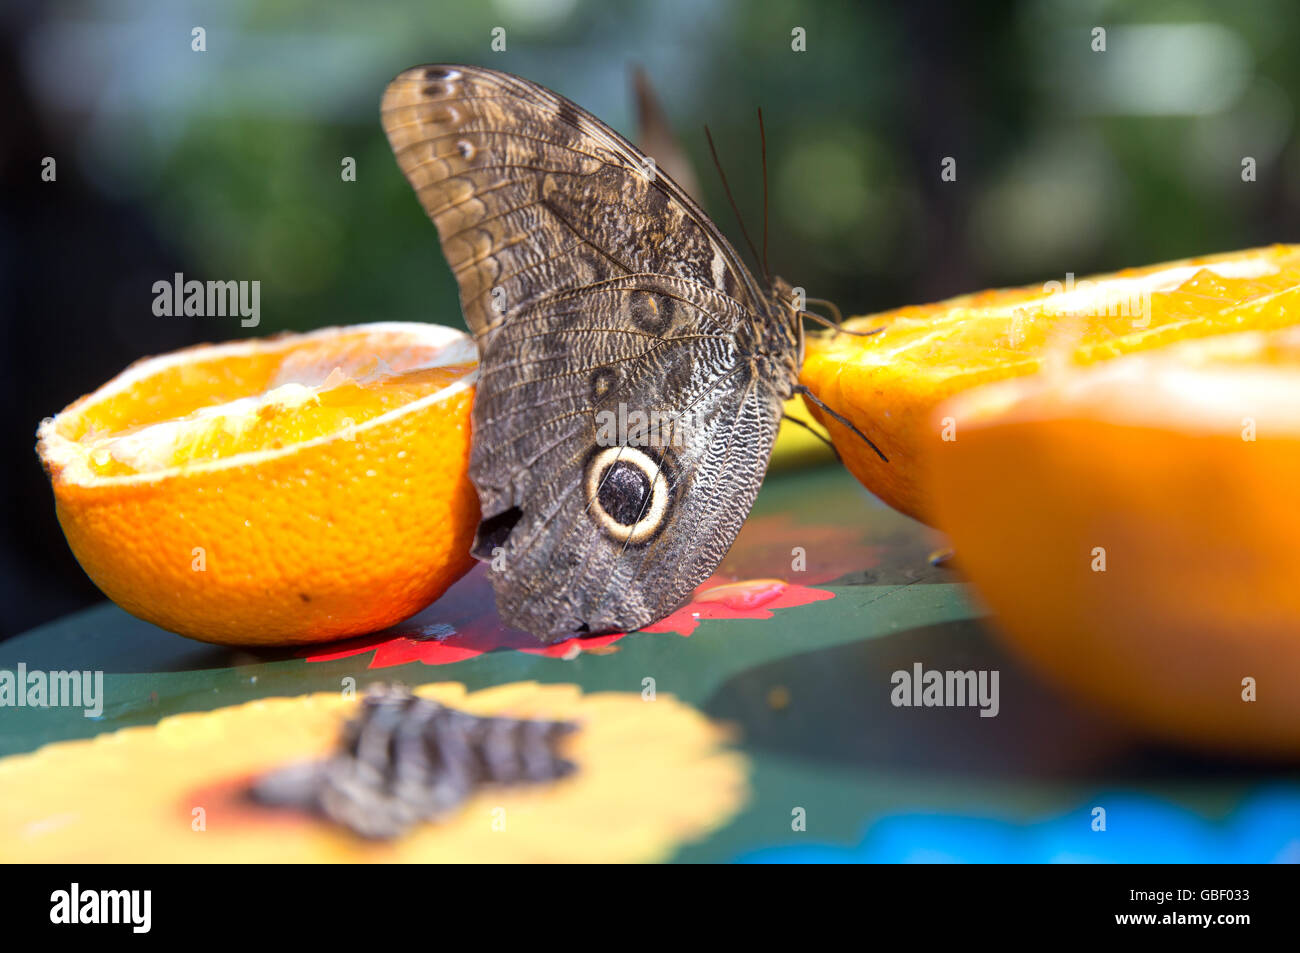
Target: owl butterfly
[[632, 370], [404, 759]]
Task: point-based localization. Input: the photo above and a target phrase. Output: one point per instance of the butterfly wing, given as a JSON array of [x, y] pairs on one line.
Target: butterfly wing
[[624, 414]]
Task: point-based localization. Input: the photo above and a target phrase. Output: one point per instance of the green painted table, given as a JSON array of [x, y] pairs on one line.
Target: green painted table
[[808, 689]]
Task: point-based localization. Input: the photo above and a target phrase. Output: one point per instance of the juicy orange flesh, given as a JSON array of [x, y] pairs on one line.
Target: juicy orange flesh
[[1204, 384], [998, 331], [211, 410]]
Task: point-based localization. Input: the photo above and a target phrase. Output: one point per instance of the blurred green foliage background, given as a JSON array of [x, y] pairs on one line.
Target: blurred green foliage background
[[1067, 159], [225, 164]]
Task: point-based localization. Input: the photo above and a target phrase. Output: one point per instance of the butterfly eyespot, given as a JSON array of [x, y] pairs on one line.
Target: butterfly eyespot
[[624, 492], [603, 381], [466, 149], [651, 312], [445, 116], [627, 493], [439, 90], [441, 72]]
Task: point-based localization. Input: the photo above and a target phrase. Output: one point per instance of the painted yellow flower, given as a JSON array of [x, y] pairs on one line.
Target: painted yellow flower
[[651, 776]]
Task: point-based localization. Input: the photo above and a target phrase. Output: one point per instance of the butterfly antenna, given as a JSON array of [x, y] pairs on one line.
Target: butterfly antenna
[[827, 303], [727, 188], [838, 324], [828, 323], [762, 140]]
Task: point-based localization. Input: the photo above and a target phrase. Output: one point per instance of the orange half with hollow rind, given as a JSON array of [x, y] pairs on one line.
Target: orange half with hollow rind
[[1133, 527], [292, 489], [890, 383]]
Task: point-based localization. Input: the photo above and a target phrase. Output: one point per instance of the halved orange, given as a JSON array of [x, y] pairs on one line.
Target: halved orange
[[1134, 525], [291, 489], [890, 383]]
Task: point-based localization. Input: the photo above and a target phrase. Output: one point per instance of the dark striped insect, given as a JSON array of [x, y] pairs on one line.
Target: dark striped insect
[[404, 760]]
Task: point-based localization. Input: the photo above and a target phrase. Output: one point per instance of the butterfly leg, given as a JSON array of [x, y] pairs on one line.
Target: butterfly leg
[[816, 433], [801, 389]]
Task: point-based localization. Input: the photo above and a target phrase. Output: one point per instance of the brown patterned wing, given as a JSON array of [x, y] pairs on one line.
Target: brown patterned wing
[[624, 418], [532, 195]]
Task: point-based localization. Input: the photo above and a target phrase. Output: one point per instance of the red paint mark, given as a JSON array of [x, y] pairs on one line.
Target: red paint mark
[[752, 599], [400, 650], [572, 648], [463, 624]]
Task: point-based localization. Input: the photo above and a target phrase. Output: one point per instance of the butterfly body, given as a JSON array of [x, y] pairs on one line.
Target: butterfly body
[[403, 759], [632, 370]]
